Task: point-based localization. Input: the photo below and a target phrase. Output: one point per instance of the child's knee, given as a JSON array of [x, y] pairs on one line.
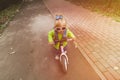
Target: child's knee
[[65, 48]]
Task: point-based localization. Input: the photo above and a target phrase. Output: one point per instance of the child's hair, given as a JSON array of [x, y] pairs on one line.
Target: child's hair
[[60, 21]]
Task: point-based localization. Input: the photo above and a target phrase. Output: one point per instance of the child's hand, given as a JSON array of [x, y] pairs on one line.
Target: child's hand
[[76, 46]]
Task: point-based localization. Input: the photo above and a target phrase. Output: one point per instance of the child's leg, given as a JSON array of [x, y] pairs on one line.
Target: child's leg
[[65, 48], [58, 51], [57, 54]]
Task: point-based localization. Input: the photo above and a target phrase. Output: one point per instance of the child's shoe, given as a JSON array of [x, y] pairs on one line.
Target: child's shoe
[[65, 52], [57, 57]]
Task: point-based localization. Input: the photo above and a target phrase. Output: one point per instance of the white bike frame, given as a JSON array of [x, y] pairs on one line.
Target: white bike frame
[[63, 53]]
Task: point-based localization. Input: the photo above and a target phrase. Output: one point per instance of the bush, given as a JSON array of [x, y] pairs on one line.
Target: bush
[[6, 3]]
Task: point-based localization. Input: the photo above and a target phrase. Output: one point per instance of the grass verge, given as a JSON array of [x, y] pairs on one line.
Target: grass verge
[[7, 14], [101, 6]]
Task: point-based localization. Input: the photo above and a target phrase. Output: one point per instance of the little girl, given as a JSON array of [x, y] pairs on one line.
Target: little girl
[[60, 33]]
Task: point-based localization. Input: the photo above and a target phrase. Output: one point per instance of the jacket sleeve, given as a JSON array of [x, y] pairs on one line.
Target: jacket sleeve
[[70, 34], [50, 36]]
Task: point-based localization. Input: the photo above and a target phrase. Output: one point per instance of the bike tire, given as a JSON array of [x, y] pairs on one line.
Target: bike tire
[[64, 63]]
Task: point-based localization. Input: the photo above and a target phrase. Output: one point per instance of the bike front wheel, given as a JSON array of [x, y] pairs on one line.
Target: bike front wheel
[[64, 63]]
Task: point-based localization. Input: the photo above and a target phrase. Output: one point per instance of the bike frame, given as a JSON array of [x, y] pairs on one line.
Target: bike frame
[[63, 53], [64, 56]]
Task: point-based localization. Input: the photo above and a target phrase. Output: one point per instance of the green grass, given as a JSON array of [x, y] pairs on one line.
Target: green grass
[[7, 14], [101, 6]]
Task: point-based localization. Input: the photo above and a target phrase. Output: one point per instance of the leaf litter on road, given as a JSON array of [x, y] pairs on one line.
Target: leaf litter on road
[[12, 51]]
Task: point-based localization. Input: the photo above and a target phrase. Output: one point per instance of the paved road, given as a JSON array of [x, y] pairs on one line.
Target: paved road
[[25, 54]]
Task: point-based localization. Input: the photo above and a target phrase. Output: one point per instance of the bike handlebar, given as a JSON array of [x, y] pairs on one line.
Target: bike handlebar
[[69, 39], [64, 40]]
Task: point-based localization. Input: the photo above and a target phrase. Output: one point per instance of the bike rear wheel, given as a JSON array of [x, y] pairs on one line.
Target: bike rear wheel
[[64, 63]]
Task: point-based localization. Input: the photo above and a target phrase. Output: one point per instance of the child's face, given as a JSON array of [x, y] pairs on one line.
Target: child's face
[[60, 29]]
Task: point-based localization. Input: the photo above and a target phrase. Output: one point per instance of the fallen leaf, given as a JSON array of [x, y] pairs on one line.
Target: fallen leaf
[[12, 52]]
